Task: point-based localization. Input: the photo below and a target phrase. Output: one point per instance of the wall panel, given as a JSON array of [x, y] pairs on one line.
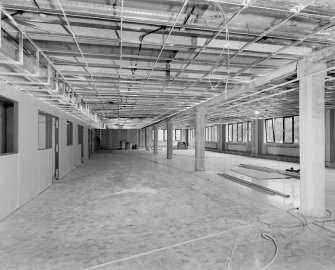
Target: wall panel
[[25, 174]]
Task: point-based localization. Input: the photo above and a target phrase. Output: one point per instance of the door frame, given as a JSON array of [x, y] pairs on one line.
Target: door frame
[[56, 148]]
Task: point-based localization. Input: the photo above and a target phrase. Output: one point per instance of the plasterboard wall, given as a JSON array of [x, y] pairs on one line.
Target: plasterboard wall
[[28, 172]]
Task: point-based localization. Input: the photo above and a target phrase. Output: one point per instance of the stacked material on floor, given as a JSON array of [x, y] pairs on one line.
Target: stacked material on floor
[[259, 175], [181, 146], [270, 170], [248, 181]]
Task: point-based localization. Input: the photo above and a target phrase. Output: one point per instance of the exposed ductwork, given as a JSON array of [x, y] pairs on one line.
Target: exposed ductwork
[[135, 63]]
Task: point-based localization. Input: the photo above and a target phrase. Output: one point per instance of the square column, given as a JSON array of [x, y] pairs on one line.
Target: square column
[[169, 142], [155, 139], [199, 138], [254, 138], [312, 138], [147, 138], [221, 138]]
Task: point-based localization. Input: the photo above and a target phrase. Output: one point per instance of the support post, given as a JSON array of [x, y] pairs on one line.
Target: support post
[[199, 138], [169, 146], [221, 138], [147, 138], [254, 138], [312, 138], [155, 139]]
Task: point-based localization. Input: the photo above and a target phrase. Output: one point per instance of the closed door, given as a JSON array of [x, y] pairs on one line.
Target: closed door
[[55, 147]]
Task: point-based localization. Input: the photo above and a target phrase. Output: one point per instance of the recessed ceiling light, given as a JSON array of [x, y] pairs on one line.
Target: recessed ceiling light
[[256, 112]]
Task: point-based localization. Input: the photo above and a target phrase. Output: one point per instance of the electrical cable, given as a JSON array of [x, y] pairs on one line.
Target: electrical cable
[[304, 222], [231, 252], [226, 45], [274, 241]]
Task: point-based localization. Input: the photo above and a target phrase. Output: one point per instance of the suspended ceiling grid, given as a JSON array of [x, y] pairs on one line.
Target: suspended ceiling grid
[[133, 63]]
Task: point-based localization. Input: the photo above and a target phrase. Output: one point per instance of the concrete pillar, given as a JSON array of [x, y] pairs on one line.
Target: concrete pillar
[[221, 138], [187, 136], [199, 138], [147, 138], [155, 139], [139, 138], [169, 141], [312, 138], [254, 138]]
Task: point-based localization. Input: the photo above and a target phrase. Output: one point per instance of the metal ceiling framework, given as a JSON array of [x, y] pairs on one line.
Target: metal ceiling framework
[[129, 64]]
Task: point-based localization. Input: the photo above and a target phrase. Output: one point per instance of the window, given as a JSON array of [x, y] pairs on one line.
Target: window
[[282, 130], [211, 134], [80, 134], [69, 130], [234, 132], [269, 130], [288, 129], [164, 134], [240, 132], [191, 134], [249, 131], [177, 135], [245, 131], [279, 130], [215, 133], [8, 126], [160, 135], [230, 132], [296, 129], [44, 131]]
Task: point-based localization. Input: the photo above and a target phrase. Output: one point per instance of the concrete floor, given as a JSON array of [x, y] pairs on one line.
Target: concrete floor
[[132, 210]]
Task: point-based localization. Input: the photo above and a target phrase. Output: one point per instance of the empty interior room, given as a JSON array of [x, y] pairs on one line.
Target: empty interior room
[[167, 134]]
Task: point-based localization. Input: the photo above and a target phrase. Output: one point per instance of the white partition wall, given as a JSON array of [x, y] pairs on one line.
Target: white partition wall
[[29, 170]]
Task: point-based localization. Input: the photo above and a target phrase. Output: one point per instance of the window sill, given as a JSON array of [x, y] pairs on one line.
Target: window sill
[[238, 142], [8, 154], [286, 145]]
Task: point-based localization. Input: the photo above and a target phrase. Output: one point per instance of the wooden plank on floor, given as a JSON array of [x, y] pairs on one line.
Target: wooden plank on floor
[[270, 170], [259, 187]]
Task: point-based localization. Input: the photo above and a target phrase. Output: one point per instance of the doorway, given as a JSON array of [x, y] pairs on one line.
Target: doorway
[[81, 141], [55, 148], [90, 142]]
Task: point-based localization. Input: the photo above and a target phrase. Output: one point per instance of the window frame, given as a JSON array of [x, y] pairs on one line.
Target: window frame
[[69, 133], [9, 132], [48, 130], [175, 135], [215, 133], [164, 135], [296, 140], [292, 128], [160, 135], [283, 119], [230, 133], [191, 134], [249, 128], [266, 130], [239, 136], [80, 129]]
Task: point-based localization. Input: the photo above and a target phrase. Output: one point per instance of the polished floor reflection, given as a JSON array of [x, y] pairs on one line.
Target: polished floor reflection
[[133, 210]]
